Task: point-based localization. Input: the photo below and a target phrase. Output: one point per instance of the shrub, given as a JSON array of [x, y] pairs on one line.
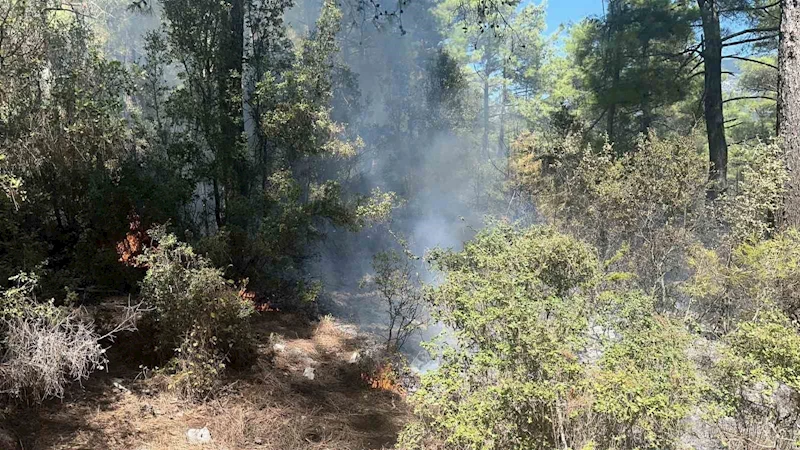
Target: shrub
[[45, 351], [650, 201], [542, 360], [398, 284], [643, 386], [46, 347], [757, 384], [752, 207], [202, 321], [751, 300]]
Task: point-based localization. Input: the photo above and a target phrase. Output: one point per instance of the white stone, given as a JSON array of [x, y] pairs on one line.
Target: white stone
[[309, 373], [198, 435]]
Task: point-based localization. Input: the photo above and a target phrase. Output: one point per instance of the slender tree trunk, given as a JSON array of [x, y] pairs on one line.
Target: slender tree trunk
[[647, 109], [57, 212], [217, 204], [712, 98], [502, 149], [486, 113], [229, 81], [610, 121], [613, 60], [249, 78], [789, 106]]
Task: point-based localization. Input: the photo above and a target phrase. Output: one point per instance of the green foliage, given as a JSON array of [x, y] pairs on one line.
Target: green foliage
[[750, 298], [660, 182], [632, 64], [541, 360], [754, 204], [202, 321], [650, 201], [733, 286], [752, 117], [271, 171], [70, 139], [644, 379], [764, 350], [9, 184], [756, 382]]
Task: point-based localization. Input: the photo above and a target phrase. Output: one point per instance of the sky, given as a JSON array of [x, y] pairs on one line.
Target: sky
[[563, 11]]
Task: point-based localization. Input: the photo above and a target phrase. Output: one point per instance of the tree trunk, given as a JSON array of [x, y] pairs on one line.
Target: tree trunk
[[615, 66], [502, 148], [486, 113], [217, 204], [712, 98], [229, 81], [647, 109], [249, 80], [789, 107]]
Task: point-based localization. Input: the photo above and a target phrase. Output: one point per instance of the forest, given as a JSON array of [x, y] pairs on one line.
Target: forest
[[410, 224]]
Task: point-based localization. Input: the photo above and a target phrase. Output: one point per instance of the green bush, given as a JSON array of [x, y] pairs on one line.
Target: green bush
[[201, 319], [751, 299], [650, 201], [547, 355]]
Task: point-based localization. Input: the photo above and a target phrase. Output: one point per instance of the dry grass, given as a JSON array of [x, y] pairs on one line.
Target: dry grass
[[271, 406]]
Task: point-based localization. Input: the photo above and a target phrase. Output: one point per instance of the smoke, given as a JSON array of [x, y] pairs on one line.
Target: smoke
[[120, 27], [419, 143], [397, 90]]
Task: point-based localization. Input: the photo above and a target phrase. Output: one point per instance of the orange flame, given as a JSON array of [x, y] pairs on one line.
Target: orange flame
[[251, 296], [134, 243], [266, 307], [385, 379]]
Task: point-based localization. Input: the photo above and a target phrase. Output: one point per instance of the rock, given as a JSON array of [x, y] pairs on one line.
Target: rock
[[119, 387], [198, 436], [355, 358], [258, 441], [309, 373], [278, 348]]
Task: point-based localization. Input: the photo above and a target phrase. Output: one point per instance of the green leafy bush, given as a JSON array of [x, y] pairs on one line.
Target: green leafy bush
[[650, 201], [546, 358], [752, 206], [202, 320], [751, 300]]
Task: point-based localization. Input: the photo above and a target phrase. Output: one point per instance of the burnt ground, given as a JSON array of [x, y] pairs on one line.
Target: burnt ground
[[272, 405]]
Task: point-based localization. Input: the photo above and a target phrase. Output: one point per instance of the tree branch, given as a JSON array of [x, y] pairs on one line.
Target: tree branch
[[749, 97], [741, 58], [747, 41], [755, 8], [751, 30]]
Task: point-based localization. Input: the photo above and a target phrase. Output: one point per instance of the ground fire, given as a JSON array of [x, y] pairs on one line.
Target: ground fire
[[385, 379]]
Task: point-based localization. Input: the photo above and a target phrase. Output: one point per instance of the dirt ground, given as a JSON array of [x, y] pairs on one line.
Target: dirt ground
[[271, 406]]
